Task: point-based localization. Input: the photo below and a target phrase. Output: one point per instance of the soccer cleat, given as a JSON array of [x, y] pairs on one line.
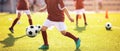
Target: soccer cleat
[[86, 24], [11, 30], [77, 43], [44, 47]]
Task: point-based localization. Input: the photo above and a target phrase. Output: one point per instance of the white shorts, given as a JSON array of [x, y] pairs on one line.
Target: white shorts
[[24, 11], [59, 25], [80, 11]]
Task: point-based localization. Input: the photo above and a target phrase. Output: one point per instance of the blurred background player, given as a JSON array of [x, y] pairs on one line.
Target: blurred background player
[[32, 4], [100, 4], [56, 9], [80, 10], [35, 5], [22, 6]]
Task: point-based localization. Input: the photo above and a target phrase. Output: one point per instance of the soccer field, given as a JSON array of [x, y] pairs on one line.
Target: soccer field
[[94, 37]]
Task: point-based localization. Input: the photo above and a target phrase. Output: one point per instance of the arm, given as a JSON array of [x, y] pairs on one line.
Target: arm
[[74, 0], [68, 15], [62, 7], [43, 9]]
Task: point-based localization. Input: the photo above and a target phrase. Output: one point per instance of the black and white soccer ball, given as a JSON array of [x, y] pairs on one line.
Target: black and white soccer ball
[[31, 31], [108, 26], [38, 28]]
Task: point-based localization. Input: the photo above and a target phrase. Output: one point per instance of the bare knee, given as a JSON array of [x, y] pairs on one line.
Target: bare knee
[[29, 16], [18, 16], [63, 33], [44, 28]]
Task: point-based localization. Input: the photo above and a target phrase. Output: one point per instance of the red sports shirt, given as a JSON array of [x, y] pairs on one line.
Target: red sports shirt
[[79, 4], [23, 5], [54, 13]]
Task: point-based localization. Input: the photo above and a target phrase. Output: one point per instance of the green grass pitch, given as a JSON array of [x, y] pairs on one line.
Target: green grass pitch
[[94, 37]]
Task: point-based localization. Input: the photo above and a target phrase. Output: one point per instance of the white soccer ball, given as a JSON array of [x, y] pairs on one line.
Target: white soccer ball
[[31, 31], [108, 26], [38, 28]]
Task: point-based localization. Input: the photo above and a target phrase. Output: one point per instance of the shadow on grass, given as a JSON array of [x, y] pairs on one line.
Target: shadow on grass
[[44, 49], [9, 41], [108, 30], [77, 50], [48, 49], [80, 29]]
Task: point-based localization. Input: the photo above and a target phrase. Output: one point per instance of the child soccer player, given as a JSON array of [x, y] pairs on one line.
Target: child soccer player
[[100, 4], [80, 10], [56, 9], [22, 6], [32, 3]]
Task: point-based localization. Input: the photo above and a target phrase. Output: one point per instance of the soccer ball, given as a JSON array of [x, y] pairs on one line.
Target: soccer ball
[[38, 28], [31, 31], [108, 26]]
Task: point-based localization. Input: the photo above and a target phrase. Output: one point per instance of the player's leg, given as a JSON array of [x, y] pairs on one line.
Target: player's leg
[[15, 21], [61, 27], [78, 16], [84, 16], [29, 16], [44, 34], [30, 20], [70, 35], [77, 19]]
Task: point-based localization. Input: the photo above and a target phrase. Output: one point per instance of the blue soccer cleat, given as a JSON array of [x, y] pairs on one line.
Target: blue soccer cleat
[[77, 43], [44, 47]]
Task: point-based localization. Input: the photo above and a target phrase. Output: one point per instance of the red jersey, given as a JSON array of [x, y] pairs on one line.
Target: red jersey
[[54, 13], [23, 5], [79, 4]]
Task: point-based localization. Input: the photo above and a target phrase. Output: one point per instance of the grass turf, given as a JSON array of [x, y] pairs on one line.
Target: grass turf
[[94, 37]]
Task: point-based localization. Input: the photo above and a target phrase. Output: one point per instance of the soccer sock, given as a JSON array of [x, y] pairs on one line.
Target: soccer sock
[[44, 35], [30, 21], [71, 36], [15, 21], [84, 17]]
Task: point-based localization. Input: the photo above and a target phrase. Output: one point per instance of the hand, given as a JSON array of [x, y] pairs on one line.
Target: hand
[[74, 0], [41, 10], [71, 19]]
